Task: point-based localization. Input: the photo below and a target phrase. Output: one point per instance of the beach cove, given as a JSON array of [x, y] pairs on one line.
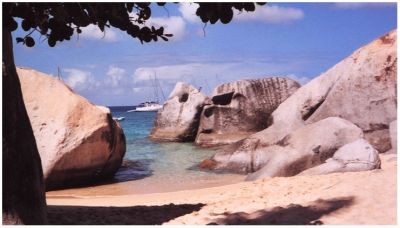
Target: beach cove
[[338, 198], [197, 197], [285, 116], [153, 167]]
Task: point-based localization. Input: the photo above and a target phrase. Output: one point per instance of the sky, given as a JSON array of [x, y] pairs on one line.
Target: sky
[[296, 40]]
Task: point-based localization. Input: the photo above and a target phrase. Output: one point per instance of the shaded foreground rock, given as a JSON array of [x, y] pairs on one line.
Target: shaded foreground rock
[[241, 108], [360, 88], [356, 156], [303, 149], [179, 118], [78, 142]]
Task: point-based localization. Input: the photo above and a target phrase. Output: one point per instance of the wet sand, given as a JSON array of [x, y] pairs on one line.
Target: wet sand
[[341, 198]]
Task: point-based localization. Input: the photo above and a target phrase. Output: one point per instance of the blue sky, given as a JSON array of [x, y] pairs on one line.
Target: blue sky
[[297, 40]]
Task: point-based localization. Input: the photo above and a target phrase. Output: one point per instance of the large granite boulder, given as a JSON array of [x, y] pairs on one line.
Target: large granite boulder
[[241, 108], [360, 88], [78, 142], [304, 148], [365, 91], [178, 120], [355, 156]]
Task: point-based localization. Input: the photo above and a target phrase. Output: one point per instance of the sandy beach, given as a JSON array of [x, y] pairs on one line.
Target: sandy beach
[[341, 198]]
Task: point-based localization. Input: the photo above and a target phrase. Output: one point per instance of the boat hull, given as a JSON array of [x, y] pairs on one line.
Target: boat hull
[[148, 109]]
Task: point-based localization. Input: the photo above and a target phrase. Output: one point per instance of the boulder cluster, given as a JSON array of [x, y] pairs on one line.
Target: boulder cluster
[[338, 122], [235, 111]]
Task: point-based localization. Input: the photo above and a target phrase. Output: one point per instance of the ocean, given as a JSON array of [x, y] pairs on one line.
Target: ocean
[[158, 167]]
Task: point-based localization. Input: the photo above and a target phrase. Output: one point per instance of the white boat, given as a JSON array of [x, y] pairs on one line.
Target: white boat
[[119, 119], [149, 106]]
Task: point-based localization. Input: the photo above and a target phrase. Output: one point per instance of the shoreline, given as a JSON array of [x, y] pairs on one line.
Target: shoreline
[[340, 198], [140, 187]]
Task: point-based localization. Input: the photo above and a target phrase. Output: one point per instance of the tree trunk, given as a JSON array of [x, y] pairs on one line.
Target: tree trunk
[[24, 199]]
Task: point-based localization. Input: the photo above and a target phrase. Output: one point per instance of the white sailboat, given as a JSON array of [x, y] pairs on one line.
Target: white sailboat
[[151, 106]]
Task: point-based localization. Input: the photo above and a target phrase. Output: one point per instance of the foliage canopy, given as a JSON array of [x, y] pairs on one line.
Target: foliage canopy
[[59, 21]]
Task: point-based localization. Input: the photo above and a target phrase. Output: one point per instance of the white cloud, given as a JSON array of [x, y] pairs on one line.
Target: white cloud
[[188, 11], [115, 75], [94, 33], [80, 80], [266, 14], [301, 80], [270, 14], [359, 5], [137, 89], [173, 25], [208, 75], [115, 82], [91, 66], [179, 72]]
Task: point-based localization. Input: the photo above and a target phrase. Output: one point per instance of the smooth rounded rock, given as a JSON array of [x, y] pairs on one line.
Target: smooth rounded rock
[[352, 157], [304, 148], [78, 142], [178, 120]]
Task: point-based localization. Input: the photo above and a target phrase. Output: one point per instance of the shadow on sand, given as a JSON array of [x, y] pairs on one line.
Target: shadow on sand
[[136, 215], [129, 170], [293, 214]]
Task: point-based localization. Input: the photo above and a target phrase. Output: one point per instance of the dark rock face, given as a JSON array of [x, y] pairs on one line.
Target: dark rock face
[[179, 118], [379, 139], [240, 108]]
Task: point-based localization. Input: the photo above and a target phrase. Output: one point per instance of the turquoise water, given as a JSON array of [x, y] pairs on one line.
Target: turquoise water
[[160, 164]]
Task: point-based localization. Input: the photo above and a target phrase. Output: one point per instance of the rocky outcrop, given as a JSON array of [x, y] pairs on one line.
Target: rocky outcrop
[[78, 142], [305, 148], [178, 120], [365, 91], [360, 88], [241, 108], [356, 156]]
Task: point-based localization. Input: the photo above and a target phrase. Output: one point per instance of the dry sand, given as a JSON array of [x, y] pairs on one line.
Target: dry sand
[[341, 198]]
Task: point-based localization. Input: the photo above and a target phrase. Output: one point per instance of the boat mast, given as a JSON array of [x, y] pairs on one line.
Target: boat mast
[[154, 84], [159, 85]]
